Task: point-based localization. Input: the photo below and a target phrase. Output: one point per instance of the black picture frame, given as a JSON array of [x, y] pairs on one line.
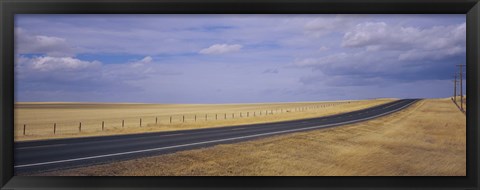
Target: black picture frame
[[8, 8]]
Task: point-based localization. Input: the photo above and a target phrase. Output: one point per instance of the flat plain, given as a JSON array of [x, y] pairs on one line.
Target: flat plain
[[39, 121], [425, 139]]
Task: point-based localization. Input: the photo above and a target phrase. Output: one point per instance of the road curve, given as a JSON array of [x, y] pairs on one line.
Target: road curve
[[46, 155]]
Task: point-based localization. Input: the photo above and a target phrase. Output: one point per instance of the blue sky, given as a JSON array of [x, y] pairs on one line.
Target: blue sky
[[235, 58]]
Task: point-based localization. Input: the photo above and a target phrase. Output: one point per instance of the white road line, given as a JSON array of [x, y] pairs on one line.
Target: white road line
[[43, 146], [207, 142]]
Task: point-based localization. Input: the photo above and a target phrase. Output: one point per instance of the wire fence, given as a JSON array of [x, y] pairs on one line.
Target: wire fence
[[96, 125]]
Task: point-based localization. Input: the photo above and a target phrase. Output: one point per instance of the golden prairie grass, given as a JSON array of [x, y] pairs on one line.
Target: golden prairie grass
[[40, 117], [426, 139]]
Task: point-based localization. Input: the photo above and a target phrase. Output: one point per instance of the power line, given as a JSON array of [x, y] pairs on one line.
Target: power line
[[460, 72], [455, 82]]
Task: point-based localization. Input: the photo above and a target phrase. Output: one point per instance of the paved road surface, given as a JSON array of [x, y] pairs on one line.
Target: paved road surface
[[39, 156]]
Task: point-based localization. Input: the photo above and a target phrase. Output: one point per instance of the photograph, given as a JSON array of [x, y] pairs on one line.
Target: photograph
[[240, 95]]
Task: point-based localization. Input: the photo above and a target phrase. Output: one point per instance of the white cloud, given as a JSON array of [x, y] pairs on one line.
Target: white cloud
[[326, 60], [221, 49], [47, 63], [53, 46], [147, 59], [48, 71], [323, 48], [324, 25], [413, 43], [144, 61], [365, 34]]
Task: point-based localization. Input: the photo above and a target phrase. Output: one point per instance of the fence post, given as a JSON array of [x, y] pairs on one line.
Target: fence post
[[248, 113], [170, 119], [206, 117], [254, 114], [80, 127], [195, 117], [216, 116], [241, 114], [24, 126], [54, 128], [156, 120], [103, 125], [183, 119], [233, 115], [123, 123], [225, 117], [140, 122]]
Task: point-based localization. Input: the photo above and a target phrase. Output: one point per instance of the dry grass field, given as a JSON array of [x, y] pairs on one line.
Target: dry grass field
[[426, 139], [39, 118]]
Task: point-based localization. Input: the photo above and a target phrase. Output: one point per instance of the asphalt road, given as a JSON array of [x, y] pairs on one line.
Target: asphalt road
[[46, 155]]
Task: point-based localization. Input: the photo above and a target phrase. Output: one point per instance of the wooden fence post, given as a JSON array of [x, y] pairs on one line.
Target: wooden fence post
[[248, 113], [54, 128], [103, 125], [233, 115], [140, 122], [156, 120], [225, 116], [195, 117], [123, 123], [183, 119], [170, 119], [80, 127], [24, 126], [216, 116], [206, 117]]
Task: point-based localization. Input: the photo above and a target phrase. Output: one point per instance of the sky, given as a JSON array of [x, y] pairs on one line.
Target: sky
[[235, 58]]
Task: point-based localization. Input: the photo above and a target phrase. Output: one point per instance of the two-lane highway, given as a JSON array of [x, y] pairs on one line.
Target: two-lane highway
[[35, 156]]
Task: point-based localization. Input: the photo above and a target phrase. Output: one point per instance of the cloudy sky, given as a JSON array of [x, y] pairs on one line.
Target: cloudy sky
[[235, 58]]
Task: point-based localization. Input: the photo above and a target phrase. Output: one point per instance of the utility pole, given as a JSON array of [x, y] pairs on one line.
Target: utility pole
[[455, 88], [461, 84]]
